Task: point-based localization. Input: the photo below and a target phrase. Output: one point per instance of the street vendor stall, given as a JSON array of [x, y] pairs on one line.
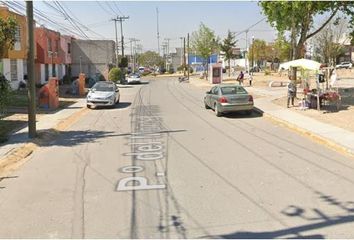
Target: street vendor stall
[[319, 96]]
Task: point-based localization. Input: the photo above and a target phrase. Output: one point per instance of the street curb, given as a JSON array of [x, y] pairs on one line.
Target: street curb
[[313, 136], [18, 156]]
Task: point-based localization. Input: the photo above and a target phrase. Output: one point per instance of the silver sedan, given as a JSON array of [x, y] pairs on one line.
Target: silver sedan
[[228, 98], [104, 93]]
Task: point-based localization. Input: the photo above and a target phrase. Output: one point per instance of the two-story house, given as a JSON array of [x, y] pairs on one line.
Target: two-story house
[[48, 54], [13, 62]]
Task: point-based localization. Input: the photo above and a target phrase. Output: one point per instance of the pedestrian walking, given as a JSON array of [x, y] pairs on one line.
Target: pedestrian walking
[[291, 93], [240, 78], [249, 77]]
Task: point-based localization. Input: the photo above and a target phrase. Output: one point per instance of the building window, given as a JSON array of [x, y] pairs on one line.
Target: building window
[[69, 48], [49, 42], [17, 44], [13, 69]]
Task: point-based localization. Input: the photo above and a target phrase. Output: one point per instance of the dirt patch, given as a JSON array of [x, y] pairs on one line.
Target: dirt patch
[[19, 156], [343, 118]]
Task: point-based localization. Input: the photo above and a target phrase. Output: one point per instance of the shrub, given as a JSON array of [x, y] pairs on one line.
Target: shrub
[[191, 70], [5, 94], [115, 75], [123, 62]]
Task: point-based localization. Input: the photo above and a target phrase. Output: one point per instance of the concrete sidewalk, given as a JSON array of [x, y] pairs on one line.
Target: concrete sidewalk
[[50, 121], [332, 136]]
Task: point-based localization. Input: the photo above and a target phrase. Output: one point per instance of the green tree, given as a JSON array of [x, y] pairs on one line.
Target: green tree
[[123, 62], [150, 59], [227, 47], [7, 34], [258, 50], [204, 42], [297, 18], [115, 74], [282, 48], [5, 94]]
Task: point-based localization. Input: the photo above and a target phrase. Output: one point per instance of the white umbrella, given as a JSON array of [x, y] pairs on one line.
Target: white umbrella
[[303, 63]]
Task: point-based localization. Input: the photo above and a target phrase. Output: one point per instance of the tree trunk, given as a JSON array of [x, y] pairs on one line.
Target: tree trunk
[[229, 68]]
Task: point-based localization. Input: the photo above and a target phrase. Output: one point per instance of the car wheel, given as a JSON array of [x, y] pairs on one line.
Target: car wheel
[[216, 109], [88, 106], [206, 106]]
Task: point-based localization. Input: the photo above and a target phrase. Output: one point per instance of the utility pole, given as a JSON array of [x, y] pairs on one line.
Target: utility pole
[[188, 55], [181, 50], [30, 72], [121, 19], [133, 52], [164, 48], [115, 27], [184, 57], [158, 32], [168, 53]]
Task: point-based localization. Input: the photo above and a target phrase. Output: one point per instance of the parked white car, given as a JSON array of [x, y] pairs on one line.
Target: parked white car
[[103, 93], [344, 65], [133, 78]]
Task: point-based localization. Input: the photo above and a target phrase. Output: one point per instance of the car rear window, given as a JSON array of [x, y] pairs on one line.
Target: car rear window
[[103, 87], [233, 90]]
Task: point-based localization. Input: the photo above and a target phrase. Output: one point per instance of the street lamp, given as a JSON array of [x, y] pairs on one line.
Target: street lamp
[[80, 64], [252, 57]]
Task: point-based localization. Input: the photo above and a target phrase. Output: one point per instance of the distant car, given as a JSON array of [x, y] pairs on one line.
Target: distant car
[[345, 65], [133, 78], [228, 98], [255, 69], [103, 93]]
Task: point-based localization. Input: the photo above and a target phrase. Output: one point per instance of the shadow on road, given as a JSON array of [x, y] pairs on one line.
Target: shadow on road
[[120, 105], [255, 114], [317, 219], [54, 137]]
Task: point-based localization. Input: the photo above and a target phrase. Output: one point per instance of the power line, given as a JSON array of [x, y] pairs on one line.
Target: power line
[[101, 6], [69, 18], [109, 5], [247, 29], [116, 5], [74, 19], [120, 20], [40, 17]]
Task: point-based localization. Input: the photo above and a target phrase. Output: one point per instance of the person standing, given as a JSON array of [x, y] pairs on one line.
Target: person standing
[[333, 79], [291, 93]]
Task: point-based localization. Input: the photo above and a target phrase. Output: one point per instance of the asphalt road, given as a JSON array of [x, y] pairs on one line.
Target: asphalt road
[[159, 165]]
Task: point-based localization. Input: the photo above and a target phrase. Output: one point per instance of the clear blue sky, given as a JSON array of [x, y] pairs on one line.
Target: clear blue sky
[[176, 19]]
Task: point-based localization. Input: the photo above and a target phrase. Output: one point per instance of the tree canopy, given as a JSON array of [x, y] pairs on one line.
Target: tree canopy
[[150, 58], [297, 17], [204, 42], [227, 47], [7, 34]]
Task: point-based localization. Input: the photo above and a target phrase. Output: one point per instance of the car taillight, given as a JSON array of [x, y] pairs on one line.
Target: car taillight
[[250, 98], [223, 100]]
